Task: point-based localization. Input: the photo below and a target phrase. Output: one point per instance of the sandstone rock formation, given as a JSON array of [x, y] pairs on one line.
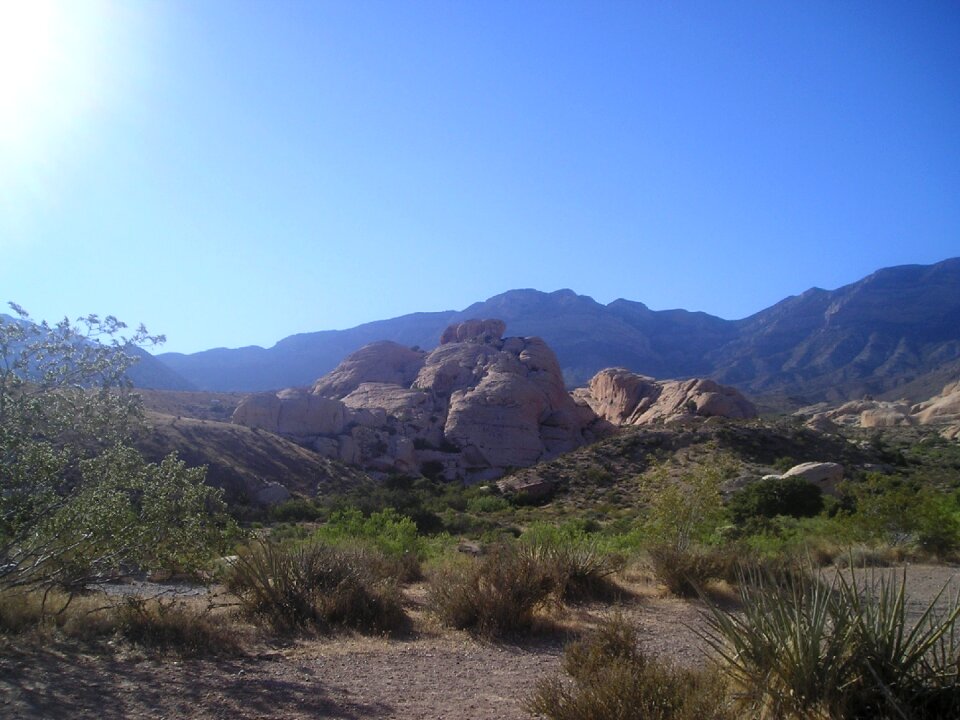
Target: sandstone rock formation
[[475, 406], [626, 398], [941, 410]]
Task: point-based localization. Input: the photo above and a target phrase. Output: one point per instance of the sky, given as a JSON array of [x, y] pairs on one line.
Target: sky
[[231, 172]]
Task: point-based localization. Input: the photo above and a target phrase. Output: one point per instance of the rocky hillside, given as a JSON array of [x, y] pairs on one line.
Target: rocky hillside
[[885, 333]]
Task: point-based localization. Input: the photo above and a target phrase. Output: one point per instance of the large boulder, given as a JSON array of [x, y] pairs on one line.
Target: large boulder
[[826, 475], [379, 362], [623, 397]]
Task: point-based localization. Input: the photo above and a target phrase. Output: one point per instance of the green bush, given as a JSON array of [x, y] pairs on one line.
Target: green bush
[[613, 680], [794, 497], [493, 596], [314, 584], [386, 531]]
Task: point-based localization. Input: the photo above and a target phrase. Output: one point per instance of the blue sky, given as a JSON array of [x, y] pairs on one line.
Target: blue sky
[[232, 172]]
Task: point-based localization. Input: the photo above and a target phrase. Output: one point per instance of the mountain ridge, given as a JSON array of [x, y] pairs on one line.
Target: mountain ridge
[[884, 331]]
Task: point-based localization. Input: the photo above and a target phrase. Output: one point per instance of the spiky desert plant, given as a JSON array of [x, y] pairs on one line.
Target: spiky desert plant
[[846, 649]]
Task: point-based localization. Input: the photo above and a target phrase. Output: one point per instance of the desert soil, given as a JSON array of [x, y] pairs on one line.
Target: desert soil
[[430, 673]]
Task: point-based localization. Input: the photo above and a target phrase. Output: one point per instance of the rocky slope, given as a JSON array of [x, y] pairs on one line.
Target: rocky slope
[[885, 332]]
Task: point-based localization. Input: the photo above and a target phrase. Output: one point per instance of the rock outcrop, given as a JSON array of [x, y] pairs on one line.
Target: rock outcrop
[[473, 407], [942, 410], [626, 398]]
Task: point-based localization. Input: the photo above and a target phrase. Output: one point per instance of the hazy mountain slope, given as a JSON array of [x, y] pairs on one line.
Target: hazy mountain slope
[[299, 359], [892, 328], [867, 337]]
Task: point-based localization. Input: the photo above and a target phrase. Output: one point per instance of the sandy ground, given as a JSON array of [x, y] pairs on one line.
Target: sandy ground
[[431, 673]]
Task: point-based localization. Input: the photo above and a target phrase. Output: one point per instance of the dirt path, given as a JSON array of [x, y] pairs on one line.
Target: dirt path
[[431, 674]]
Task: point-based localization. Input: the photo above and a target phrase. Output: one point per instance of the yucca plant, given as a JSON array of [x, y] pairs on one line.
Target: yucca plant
[[841, 650], [897, 667], [785, 650]]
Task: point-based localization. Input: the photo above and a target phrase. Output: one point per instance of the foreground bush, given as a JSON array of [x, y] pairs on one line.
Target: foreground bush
[[313, 584], [580, 565], [610, 679], [686, 572], [842, 651], [496, 595], [184, 627]]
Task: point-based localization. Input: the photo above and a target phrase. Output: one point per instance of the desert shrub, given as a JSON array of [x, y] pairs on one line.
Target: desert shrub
[[898, 512], [686, 572], [794, 497], [610, 679], [290, 587], [689, 511], [394, 535], [496, 595], [487, 504], [175, 625], [580, 564], [296, 510], [847, 650]]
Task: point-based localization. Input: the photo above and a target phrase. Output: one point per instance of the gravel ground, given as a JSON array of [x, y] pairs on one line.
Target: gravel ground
[[429, 674]]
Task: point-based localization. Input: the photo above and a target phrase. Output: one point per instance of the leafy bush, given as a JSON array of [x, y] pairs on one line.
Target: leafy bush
[[496, 595], [613, 680], [898, 512], [314, 584], [386, 531], [78, 502], [846, 650], [689, 511], [794, 497]]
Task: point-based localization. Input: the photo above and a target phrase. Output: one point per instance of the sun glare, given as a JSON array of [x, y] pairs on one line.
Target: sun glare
[[29, 32]]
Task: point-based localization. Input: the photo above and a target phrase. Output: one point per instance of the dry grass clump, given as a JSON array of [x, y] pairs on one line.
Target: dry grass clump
[[610, 679], [686, 572], [496, 595], [178, 626], [186, 627], [579, 570], [291, 587]]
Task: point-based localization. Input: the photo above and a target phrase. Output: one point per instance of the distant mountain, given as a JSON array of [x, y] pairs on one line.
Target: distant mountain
[[885, 332]]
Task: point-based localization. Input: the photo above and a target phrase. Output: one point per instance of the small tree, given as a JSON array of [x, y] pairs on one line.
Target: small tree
[[77, 502]]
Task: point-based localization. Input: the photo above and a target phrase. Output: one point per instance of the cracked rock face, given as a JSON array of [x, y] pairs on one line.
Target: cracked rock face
[[473, 407]]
